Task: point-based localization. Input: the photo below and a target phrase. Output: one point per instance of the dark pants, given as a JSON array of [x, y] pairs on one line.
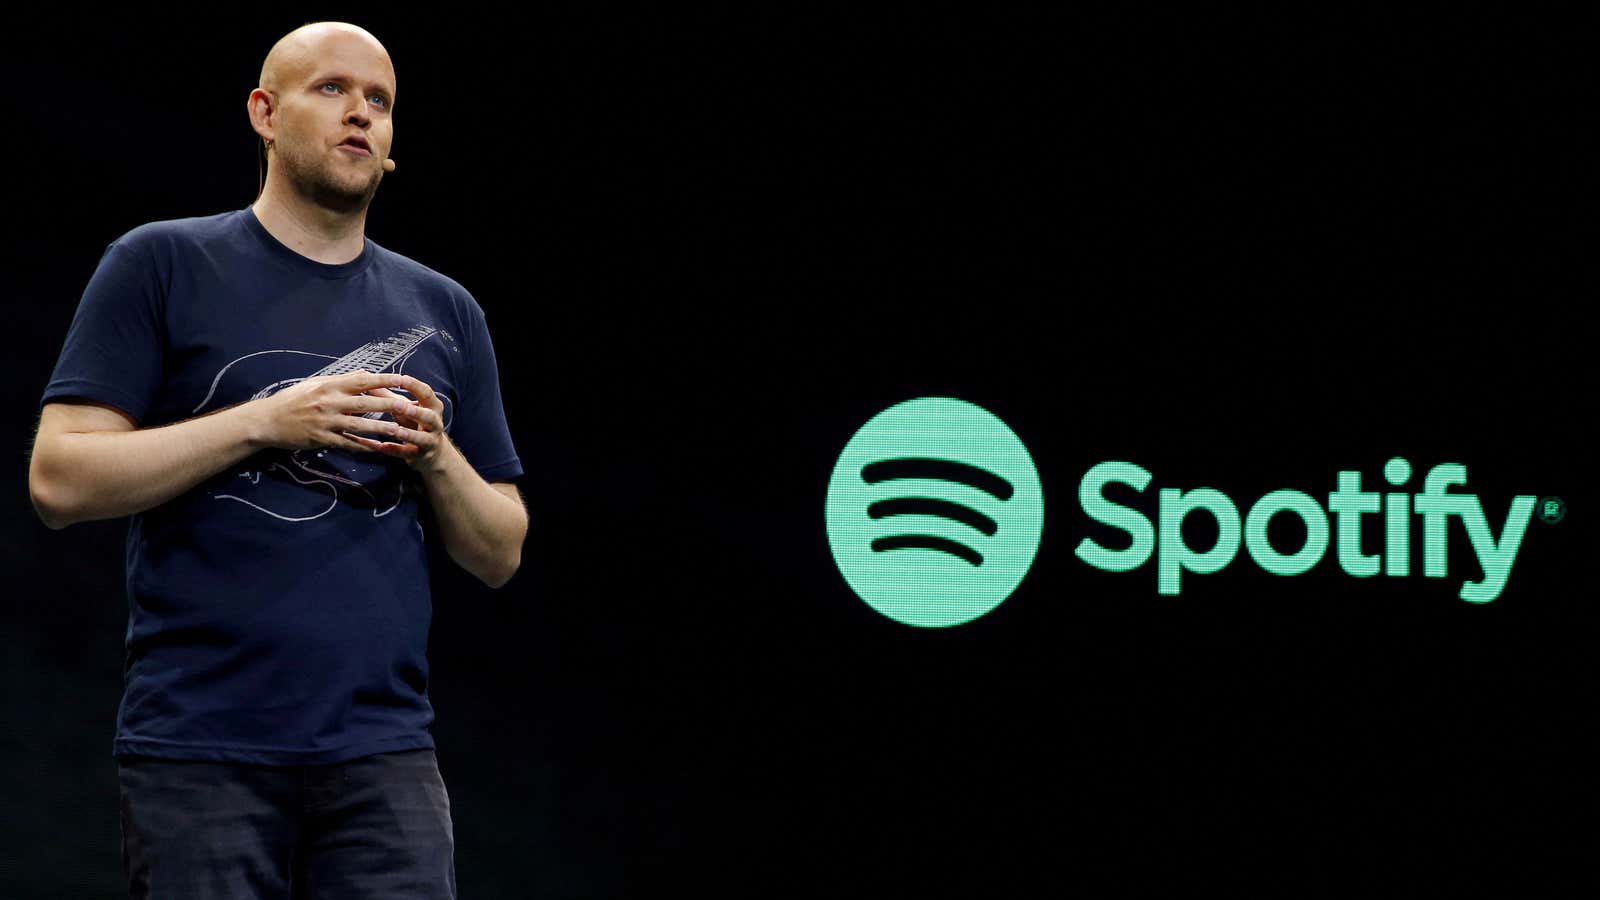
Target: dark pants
[[378, 826]]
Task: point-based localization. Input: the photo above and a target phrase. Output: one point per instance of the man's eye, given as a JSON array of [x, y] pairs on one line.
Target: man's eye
[[382, 101]]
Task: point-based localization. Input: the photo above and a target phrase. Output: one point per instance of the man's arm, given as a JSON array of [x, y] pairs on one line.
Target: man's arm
[[483, 525], [90, 461]]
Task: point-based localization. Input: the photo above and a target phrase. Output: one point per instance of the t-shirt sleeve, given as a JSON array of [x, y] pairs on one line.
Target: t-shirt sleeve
[[479, 427], [114, 348]]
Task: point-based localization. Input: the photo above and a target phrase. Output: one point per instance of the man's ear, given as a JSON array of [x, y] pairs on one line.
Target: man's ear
[[261, 107]]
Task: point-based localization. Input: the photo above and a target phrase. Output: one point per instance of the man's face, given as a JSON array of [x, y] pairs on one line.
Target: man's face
[[341, 86]]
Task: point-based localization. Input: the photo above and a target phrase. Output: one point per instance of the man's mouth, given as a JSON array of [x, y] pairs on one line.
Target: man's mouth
[[356, 145]]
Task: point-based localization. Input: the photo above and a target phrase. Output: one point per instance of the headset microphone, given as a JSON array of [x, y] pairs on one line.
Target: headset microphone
[[388, 165]]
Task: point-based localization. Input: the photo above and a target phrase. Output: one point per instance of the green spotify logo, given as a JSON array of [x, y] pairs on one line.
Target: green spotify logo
[[934, 512]]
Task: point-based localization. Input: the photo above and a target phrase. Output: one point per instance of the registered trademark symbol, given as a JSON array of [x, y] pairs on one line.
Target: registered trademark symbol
[[1552, 510]]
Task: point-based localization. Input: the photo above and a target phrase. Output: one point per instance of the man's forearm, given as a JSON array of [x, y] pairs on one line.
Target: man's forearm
[[482, 528], [107, 474]]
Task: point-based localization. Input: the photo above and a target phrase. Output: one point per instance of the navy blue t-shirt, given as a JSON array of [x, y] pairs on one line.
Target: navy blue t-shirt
[[278, 611]]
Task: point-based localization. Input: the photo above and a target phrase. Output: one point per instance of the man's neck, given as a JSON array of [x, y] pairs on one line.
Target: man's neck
[[312, 231]]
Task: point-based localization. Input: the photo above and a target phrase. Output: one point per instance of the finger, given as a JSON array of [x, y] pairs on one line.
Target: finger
[[403, 432], [385, 392], [365, 381], [422, 391], [388, 448], [402, 408], [364, 425], [409, 437], [416, 416], [427, 419], [357, 443], [406, 405], [394, 404]]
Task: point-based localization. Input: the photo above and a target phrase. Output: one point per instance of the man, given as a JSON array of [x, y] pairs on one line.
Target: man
[[270, 396]]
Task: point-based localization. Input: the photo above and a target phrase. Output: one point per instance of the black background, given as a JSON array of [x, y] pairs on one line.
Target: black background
[[1244, 254]]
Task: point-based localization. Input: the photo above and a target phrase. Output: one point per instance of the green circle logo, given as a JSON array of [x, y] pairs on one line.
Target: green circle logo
[[934, 512]]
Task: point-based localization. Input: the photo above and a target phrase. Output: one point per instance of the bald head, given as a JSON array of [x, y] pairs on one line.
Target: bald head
[[324, 111], [296, 55]]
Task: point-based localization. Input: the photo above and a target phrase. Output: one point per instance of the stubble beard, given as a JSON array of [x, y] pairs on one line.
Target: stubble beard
[[314, 180]]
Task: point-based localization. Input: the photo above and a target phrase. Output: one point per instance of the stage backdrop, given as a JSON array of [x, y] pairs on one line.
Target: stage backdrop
[[999, 455]]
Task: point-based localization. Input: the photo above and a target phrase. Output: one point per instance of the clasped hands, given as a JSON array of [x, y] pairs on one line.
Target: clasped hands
[[323, 411]]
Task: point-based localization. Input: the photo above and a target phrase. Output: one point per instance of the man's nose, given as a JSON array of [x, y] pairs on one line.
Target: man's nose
[[357, 116]]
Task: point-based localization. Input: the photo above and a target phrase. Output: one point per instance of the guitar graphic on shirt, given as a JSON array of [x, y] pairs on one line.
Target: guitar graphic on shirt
[[323, 476]]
